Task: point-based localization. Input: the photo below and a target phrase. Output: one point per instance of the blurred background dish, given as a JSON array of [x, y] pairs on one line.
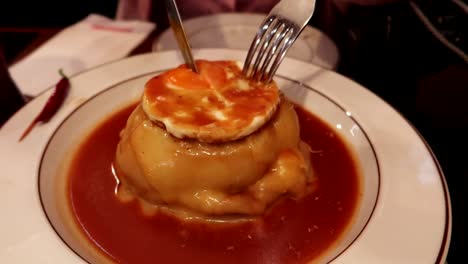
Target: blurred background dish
[[236, 31]]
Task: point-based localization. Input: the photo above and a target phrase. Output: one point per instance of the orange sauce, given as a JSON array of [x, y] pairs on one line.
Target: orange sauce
[[293, 231], [215, 90]]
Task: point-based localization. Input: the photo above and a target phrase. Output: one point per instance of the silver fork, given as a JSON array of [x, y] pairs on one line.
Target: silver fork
[[275, 36]]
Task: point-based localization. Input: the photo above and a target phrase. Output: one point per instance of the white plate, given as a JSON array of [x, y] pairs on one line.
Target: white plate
[[236, 31], [411, 221]]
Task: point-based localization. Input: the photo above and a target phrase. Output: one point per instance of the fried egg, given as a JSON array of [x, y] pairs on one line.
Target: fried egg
[[217, 105]]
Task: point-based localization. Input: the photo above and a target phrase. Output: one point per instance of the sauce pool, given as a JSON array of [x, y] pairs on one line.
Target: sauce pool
[[292, 231]]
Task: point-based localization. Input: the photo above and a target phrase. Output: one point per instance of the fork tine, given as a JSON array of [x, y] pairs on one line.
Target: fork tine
[[276, 26], [288, 41], [272, 51], [255, 43], [277, 34]]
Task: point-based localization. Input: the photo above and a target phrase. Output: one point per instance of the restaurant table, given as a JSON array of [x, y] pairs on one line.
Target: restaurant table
[[410, 70]]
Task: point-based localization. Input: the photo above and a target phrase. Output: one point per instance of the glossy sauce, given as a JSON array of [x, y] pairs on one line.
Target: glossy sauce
[[220, 98], [291, 232]]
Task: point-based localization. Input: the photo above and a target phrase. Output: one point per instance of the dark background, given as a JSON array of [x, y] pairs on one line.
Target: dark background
[[387, 49], [38, 20]]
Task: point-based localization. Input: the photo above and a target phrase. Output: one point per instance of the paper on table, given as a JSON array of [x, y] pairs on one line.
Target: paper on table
[[88, 43]]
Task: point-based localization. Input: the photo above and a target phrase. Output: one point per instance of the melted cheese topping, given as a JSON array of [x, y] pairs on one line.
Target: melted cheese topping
[[220, 104]]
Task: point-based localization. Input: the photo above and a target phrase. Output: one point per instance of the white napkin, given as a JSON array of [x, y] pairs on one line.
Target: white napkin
[[90, 42]]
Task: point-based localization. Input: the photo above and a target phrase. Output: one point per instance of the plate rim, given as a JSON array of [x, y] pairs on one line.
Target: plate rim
[[448, 214]]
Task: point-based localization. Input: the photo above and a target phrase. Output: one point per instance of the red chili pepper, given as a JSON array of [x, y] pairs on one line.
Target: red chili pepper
[[53, 104]]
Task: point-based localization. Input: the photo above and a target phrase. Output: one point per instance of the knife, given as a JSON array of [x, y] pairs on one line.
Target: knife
[[178, 29]]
